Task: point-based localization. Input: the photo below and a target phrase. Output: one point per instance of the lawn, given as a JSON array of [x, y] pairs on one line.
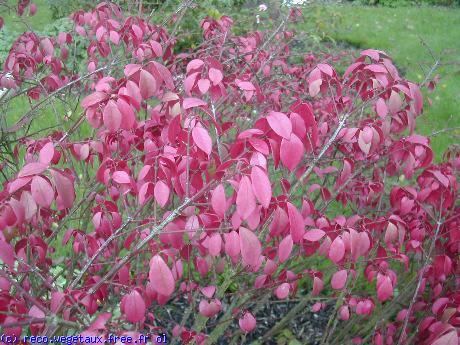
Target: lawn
[[414, 37]]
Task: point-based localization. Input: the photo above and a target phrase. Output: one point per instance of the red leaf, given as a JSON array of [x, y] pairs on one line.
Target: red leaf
[[291, 152], [215, 76], [32, 169], [161, 193], [296, 222], [161, 276], [192, 102], [245, 201], [337, 250], [218, 201], [251, 248], [147, 84], [7, 253], [285, 248], [65, 189], [111, 116], [314, 235], [134, 307], [339, 279], [42, 192], [202, 139], [280, 124], [121, 177], [261, 186]]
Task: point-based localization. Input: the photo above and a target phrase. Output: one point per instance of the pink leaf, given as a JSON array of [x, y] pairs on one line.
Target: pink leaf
[[36, 312], [31, 169], [261, 186], [314, 235], [161, 276], [339, 279], [128, 118], [280, 124], [214, 244], [211, 308], [245, 200], [41, 191], [114, 37], [208, 291], [247, 323], [450, 338], [65, 189], [344, 313], [192, 102], [7, 254], [385, 289], [317, 286], [194, 64], [337, 250], [232, 244], [161, 193], [291, 152], [93, 99], [111, 116], [246, 86], [215, 76], [296, 222], [46, 153], [282, 291], [381, 108], [285, 248], [315, 87], [121, 177], [147, 84], [202, 139], [134, 307], [218, 201], [251, 248], [326, 69], [203, 85]]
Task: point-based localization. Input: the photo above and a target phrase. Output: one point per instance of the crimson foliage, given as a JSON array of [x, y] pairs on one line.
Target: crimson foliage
[[231, 165]]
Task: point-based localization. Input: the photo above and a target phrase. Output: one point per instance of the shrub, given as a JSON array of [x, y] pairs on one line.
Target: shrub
[[216, 179]]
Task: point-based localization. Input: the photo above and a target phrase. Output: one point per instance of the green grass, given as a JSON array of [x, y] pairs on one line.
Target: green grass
[[407, 34], [14, 23]]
